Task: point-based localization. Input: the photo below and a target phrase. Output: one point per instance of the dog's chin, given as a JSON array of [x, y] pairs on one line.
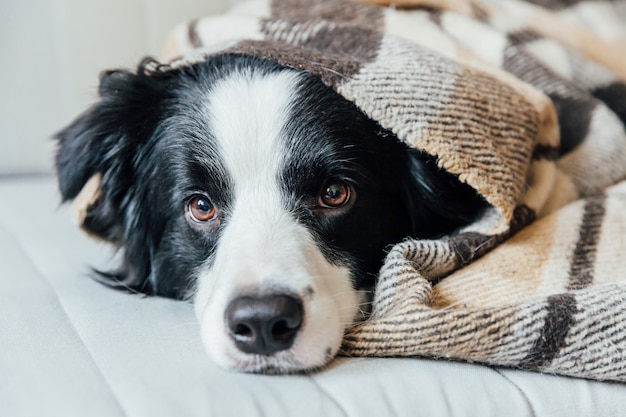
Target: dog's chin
[[281, 363]]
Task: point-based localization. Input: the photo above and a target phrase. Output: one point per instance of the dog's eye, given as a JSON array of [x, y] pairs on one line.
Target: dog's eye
[[201, 209], [335, 194]]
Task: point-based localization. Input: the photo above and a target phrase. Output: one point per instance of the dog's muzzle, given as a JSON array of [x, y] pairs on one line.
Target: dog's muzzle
[[264, 325]]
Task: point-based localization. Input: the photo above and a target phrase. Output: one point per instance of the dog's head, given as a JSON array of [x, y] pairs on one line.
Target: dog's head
[[259, 193]]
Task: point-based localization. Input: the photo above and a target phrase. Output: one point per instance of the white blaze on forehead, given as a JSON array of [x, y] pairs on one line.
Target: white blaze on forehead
[[248, 111]]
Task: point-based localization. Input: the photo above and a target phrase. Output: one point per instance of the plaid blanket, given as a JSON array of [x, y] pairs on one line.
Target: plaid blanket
[[523, 100]]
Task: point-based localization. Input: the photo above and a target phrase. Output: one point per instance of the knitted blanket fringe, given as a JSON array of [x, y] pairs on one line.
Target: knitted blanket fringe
[[523, 100]]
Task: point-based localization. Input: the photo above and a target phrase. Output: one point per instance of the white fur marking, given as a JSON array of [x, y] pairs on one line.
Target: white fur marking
[[263, 248]]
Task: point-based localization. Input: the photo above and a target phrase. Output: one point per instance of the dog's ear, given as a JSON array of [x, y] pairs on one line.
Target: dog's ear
[[96, 153], [438, 201], [101, 160]]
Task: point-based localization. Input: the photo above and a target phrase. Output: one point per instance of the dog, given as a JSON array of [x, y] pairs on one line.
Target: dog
[[258, 193]]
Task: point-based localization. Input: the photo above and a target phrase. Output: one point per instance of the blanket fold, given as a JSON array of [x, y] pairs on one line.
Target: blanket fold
[[523, 100]]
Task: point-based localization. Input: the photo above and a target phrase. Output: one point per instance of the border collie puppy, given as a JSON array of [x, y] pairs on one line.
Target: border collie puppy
[[258, 192]]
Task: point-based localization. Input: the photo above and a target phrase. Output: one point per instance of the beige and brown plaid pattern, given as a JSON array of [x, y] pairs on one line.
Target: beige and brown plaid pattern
[[526, 102]]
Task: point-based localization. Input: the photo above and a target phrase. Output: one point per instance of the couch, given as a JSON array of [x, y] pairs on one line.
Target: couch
[[72, 347]]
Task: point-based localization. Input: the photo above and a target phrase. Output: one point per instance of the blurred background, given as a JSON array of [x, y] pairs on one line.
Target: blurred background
[[51, 53]]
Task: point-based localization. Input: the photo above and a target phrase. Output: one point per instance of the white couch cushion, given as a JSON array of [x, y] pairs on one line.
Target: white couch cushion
[[72, 347]]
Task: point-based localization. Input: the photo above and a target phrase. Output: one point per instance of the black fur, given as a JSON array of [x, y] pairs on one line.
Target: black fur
[[146, 138]]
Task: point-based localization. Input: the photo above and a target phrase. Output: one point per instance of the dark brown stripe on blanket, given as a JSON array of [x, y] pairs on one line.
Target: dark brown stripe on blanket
[[192, 34], [557, 4], [348, 43], [575, 114], [574, 107], [353, 12], [522, 217], [584, 256], [560, 318], [332, 69], [467, 247], [470, 246], [524, 36], [345, 31], [614, 96], [479, 13], [548, 153], [434, 15]]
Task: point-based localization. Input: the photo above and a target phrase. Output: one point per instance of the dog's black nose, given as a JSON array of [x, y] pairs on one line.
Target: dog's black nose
[[264, 325]]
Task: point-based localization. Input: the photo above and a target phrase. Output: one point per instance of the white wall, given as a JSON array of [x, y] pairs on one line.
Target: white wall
[[51, 52]]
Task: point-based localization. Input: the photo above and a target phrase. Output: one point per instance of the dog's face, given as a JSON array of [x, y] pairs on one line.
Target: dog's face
[[259, 193]]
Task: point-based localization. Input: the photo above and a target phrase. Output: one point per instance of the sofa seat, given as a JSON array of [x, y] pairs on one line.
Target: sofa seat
[[72, 347]]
